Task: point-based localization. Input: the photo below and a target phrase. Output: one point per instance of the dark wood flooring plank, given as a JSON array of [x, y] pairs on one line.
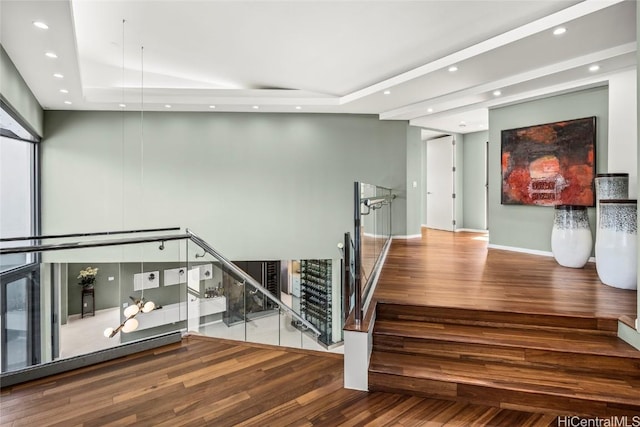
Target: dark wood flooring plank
[[457, 270], [248, 391]]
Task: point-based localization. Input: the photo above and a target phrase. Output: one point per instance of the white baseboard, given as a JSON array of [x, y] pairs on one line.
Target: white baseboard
[[410, 236], [471, 230], [468, 230], [527, 251], [522, 250]]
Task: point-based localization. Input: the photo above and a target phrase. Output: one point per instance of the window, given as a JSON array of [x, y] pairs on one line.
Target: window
[[18, 186], [19, 217]]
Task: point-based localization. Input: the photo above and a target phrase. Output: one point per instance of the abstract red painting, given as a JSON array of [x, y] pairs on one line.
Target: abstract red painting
[[550, 164]]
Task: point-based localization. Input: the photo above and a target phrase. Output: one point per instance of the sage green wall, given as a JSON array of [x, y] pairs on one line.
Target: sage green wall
[[15, 92], [106, 292], [255, 186], [415, 195], [529, 227], [474, 206]]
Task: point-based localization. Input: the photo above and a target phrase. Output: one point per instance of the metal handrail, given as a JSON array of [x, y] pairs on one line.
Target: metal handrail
[[98, 233], [95, 244], [190, 235], [248, 279]]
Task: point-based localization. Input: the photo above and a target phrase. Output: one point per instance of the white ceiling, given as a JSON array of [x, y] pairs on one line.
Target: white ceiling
[[321, 56]]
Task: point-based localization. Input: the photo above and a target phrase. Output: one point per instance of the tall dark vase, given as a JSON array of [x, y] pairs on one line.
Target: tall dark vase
[[571, 240], [616, 243]]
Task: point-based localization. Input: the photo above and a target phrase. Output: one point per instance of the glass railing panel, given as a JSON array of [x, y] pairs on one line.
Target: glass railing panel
[[290, 330], [262, 318], [372, 233], [261, 294], [216, 297], [321, 298], [87, 290], [382, 219], [99, 297], [310, 343], [367, 232], [154, 272]]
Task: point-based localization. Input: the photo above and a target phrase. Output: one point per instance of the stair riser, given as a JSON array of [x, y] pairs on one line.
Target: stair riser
[[495, 319], [490, 396], [596, 364]]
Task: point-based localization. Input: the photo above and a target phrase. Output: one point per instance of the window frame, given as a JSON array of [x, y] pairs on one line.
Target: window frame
[[29, 271]]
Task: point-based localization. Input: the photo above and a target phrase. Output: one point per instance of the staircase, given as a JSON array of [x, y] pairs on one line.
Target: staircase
[[531, 362]]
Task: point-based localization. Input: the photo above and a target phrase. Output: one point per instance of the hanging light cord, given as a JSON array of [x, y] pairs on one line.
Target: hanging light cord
[[142, 147], [130, 324]]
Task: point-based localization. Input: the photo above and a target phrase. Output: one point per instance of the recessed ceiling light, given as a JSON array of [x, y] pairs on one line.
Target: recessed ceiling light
[[67, 102], [453, 69], [559, 31], [463, 124], [481, 126], [122, 105], [41, 25], [298, 107], [51, 55], [429, 110], [594, 68], [64, 91], [167, 106], [212, 106], [387, 92], [497, 93], [58, 76], [255, 107]]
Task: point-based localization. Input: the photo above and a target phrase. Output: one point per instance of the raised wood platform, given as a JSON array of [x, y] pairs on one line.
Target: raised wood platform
[[459, 322], [457, 270]]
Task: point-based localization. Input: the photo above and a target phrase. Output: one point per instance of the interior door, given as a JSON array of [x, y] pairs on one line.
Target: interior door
[[440, 183]]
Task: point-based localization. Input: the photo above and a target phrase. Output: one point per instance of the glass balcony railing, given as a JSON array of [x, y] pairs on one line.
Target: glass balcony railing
[[88, 293], [371, 237]]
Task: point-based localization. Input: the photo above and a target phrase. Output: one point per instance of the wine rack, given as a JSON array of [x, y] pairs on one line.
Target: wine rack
[[315, 295]]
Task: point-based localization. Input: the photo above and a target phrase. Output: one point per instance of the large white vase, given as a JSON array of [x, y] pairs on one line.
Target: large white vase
[[616, 243], [571, 240]]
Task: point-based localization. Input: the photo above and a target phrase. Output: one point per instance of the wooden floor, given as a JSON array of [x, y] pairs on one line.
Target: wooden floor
[[457, 270], [206, 382], [458, 321]]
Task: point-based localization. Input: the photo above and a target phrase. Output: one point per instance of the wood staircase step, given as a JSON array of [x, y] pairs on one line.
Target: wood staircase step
[[570, 350], [550, 363], [434, 314], [496, 384]]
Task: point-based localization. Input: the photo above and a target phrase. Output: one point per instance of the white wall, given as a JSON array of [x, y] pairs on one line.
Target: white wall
[[623, 129]]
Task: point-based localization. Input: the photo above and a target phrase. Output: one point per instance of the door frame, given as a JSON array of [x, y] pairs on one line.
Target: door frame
[[453, 181]]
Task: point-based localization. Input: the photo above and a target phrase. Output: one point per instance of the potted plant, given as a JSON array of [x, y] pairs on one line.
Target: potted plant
[[87, 277]]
